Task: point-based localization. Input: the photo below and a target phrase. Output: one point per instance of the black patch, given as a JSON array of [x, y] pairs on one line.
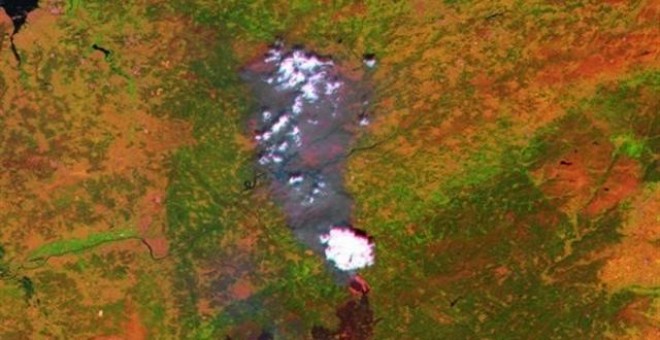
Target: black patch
[[265, 335], [17, 11], [369, 56], [105, 52]]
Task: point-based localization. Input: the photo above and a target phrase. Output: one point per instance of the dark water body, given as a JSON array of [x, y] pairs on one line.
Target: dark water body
[[17, 11], [106, 52], [304, 122]]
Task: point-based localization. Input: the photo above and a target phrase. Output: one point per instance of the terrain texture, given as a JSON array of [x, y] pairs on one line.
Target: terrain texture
[[508, 174]]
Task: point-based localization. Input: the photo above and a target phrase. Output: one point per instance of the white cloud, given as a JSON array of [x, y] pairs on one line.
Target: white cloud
[[347, 250]]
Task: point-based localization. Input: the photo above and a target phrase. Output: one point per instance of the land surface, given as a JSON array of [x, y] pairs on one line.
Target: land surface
[[509, 175]]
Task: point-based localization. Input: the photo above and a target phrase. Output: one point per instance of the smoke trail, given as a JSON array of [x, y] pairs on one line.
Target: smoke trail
[[307, 115]]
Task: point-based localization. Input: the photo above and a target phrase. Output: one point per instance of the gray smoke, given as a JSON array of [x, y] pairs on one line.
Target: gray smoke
[[305, 122]]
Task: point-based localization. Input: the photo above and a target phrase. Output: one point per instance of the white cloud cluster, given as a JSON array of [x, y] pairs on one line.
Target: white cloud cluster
[[302, 131], [348, 250], [306, 75]]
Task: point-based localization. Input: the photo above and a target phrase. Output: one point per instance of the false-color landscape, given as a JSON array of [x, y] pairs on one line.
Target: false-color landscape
[[300, 169]]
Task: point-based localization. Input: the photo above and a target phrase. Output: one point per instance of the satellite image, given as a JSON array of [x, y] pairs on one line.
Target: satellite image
[[329, 169]]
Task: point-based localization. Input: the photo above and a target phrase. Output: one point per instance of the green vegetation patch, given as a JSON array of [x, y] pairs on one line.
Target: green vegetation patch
[[630, 146], [630, 108], [72, 6], [76, 245]]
